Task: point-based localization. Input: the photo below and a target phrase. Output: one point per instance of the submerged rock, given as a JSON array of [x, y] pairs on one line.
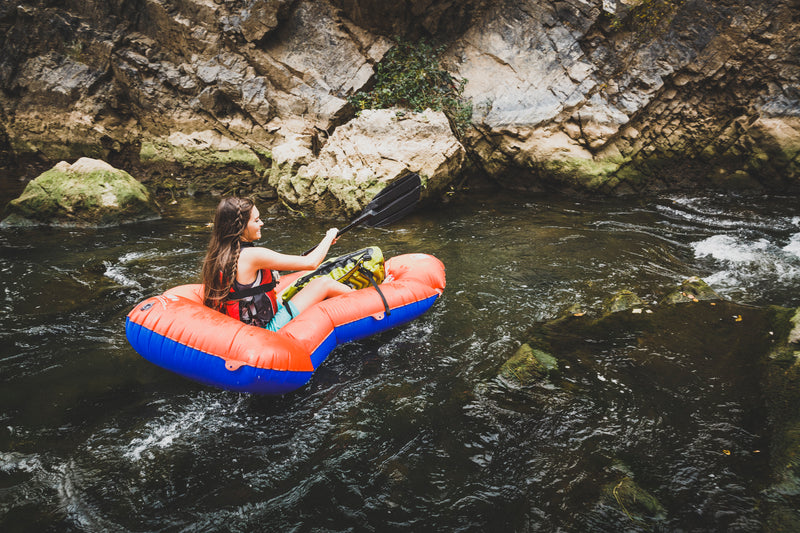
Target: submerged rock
[[782, 386], [636, 502], [622, 301], [88, 192], [692, 337], [693, 289], [528, 365]]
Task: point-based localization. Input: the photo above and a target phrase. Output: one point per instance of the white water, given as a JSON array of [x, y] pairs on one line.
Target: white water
[[740, 265]]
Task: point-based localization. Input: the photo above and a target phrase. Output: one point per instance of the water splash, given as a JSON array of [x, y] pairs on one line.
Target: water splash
[[118, 275], [793, 247], [206, 416], [12, 462], [744, 264]]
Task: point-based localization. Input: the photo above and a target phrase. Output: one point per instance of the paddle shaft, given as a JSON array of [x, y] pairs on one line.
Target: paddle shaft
[[393, 202]]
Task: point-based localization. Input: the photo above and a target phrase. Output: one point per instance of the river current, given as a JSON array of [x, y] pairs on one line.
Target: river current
[[407, 430]]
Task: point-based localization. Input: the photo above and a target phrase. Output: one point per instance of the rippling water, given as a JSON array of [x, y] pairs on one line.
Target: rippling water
[[409, 430]]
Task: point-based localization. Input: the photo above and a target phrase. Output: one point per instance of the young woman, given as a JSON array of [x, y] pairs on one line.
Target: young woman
[[239, 278]]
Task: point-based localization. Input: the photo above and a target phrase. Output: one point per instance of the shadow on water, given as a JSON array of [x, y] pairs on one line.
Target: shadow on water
[[410, 430]]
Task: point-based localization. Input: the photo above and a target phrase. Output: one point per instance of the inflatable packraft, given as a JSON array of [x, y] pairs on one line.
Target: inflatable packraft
[[177, 332]]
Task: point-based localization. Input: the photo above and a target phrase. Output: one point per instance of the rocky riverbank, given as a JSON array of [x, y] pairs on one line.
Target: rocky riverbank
[[615, 97]]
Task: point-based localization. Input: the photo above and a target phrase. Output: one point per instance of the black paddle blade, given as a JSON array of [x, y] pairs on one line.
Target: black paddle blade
[[396, 210], [394, 202], [400, 195], [398, 188]]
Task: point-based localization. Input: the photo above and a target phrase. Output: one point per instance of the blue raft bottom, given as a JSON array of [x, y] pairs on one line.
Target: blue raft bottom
[[210, 369]]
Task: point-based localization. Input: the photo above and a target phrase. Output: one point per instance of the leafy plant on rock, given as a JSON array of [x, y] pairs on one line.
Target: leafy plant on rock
[[647, 18], [411, 76]]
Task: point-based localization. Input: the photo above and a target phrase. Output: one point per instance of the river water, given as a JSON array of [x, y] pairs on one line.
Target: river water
[[408, 430]]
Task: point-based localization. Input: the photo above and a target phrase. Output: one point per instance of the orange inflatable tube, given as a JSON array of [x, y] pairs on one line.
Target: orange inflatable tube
[[177, 332]]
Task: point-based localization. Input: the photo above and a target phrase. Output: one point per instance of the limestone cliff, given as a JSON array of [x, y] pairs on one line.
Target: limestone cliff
[[617, 96]]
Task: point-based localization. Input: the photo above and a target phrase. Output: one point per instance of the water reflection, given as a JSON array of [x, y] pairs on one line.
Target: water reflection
[[410, 430]]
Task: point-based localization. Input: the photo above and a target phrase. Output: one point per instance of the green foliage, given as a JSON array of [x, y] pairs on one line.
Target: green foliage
[[411, 76], [74, 50], [647, 18]]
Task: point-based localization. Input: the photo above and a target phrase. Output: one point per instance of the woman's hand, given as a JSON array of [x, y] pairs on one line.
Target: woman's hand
[[319, 253], [332, 233]]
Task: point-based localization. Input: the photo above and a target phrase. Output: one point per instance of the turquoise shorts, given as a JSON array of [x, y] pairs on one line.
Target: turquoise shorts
[[282, 317]]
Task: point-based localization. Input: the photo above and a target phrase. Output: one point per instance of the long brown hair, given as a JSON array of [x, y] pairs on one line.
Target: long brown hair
[[222, 257]]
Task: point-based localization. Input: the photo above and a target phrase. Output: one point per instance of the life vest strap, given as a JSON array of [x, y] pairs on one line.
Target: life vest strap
[[252, 291]]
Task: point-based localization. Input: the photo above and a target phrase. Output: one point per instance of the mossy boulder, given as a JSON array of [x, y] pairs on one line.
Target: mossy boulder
[[528, 365], [622, 301], [693, 289], [794, 334], [88, 192]]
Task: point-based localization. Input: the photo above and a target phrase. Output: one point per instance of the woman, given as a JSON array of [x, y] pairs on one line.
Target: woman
[[238, 277]]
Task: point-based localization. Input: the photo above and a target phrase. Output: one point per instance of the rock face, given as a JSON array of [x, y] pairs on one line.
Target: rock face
[[589, 95], [86, 193], [581, 95], [361, 156]]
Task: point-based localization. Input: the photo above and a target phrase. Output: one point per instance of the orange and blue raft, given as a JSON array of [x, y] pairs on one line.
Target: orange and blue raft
[[176, 331]]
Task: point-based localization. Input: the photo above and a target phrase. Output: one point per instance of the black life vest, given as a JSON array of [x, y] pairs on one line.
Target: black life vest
[[253, 304]]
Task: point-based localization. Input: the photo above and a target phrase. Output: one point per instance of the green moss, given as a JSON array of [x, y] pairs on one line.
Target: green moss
[[278, 173], [153, 152], [646, 19], [148, 152], [300, 183], [587, 173], [622, 301]]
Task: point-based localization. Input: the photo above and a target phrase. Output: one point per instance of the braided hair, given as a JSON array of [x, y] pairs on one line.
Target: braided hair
[[222, 258]]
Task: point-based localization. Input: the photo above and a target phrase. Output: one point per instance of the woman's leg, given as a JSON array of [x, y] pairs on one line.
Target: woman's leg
[[317, 290]]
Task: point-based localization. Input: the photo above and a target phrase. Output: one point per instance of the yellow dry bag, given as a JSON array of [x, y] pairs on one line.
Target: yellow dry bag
[[353, 269]]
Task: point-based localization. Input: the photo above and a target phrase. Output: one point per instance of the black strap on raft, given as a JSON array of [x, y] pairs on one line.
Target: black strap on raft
[[371, 279]]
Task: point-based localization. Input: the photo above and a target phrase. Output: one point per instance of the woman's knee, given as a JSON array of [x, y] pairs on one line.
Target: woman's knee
[[328, 286]]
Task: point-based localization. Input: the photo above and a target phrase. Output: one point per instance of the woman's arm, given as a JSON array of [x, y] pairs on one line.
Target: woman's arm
[[257, 258]]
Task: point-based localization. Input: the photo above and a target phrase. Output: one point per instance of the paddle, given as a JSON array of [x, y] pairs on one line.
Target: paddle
[[394, 202]]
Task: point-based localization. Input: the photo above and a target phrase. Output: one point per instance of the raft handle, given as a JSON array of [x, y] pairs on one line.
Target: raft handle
[[233, 365]]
